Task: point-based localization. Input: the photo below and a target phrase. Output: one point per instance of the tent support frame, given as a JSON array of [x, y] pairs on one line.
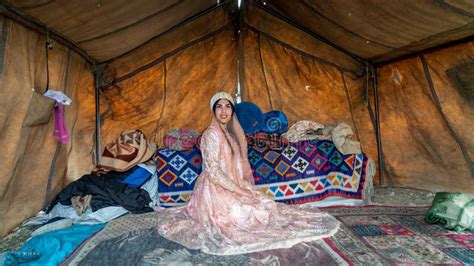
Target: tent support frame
[[97, 115], [382, 166]]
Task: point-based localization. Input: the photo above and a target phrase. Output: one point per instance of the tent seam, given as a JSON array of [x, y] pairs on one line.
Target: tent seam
[[437, 103], [181, 24], [169, 54], [351, 108], [129, 25], [52, 169], [421, 42], [163, 103], [348, 30], [296, 50], [307, 31], [264, 72], [453, 9], [3, 43]]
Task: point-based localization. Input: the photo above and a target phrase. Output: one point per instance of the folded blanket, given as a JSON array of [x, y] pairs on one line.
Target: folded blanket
[[305, 130], [275, 122], [127, 151], [340, 135], [454, 210], [250, 117]]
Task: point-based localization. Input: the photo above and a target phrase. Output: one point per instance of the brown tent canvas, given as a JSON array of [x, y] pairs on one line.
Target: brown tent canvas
[[399, 72]]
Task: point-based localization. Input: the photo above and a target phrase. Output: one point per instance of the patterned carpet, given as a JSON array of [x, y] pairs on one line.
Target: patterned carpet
[[369, 235], [397, 235]]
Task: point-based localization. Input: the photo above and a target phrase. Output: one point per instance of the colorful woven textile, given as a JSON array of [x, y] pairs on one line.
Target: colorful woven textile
[[272, 141], [308, 171], [302, 172], [371, 235], [381, 235], [181, 139], [454, 210], [177, 172]]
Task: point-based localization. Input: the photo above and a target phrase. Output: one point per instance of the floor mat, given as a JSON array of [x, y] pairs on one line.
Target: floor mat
[[368, 235], [397, 235]]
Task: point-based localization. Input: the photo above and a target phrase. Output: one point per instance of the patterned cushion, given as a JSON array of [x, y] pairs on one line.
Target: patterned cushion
[[177, 172], [275, 122], [250, 117]]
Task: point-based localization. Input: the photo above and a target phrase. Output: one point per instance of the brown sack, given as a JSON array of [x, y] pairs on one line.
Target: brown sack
[[39, 111]]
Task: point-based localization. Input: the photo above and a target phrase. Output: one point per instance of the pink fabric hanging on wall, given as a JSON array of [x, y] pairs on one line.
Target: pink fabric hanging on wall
[[60, 129]]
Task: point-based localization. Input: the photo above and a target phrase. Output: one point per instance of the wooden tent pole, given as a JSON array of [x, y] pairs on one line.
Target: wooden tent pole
[[377, 124], [97, 115], [238, 22]]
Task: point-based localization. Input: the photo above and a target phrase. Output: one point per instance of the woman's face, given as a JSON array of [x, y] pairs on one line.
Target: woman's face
[[223, 111]]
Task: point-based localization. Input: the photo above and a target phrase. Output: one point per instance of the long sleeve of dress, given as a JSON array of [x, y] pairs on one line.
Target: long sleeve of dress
[[211, 152]]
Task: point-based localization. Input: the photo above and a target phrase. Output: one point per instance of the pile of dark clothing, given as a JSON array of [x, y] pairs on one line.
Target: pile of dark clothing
[[124, 179], [106, 190]]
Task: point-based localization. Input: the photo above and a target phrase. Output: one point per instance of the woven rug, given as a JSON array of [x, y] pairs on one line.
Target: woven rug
[[368, 235], [397, 235]]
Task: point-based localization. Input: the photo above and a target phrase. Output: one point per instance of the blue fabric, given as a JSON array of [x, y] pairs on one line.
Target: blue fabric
[[15, 258], [137, 177], [51, 248], [275, 122], [250, 117]]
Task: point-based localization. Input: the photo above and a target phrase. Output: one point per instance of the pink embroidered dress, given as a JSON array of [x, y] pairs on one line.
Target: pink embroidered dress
[[227, 215]]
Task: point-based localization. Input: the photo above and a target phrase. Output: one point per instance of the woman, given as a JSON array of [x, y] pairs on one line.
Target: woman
[[226, 214]]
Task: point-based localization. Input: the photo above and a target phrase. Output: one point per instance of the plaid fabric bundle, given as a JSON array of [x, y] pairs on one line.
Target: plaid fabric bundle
[[130, 149]]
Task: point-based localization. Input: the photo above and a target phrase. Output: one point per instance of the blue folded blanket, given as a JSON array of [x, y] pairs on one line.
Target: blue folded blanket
[[275, 122], [137, 177]]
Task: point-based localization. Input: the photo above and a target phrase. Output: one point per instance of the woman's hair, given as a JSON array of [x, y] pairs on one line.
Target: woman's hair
[[215, 106]]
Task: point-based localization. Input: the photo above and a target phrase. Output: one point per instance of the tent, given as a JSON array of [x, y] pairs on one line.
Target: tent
[[399, 72]]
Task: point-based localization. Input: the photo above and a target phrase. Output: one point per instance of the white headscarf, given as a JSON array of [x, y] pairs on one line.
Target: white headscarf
[[221, 95]]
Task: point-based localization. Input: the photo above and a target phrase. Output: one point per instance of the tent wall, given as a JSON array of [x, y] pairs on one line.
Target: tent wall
[[174, 93], [275, 28], [166, 83], [30, 154], [279, 78], [420, 151], [168, 43]]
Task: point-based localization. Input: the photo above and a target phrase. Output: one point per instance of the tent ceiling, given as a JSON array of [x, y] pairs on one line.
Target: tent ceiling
[[378, 30], [381, 29], [105, 29]]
